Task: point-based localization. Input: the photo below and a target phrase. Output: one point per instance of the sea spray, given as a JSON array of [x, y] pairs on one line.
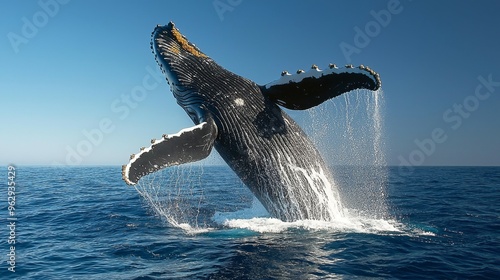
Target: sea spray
[[175, 194], [349, 133]]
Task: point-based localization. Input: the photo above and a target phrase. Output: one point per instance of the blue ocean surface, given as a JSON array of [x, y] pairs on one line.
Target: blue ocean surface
[[85, 223]]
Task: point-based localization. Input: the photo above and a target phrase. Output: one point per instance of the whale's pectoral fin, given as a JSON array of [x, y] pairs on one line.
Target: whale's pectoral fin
[[189, 145], [308, 89]]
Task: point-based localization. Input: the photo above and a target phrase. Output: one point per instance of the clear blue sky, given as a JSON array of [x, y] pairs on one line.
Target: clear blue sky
[[76, 67]]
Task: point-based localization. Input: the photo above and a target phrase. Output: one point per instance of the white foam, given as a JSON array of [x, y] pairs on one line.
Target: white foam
[[257, 219], [190, 229], [355, 224]]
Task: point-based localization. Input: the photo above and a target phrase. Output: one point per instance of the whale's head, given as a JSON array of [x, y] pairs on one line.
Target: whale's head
[[181, 62]]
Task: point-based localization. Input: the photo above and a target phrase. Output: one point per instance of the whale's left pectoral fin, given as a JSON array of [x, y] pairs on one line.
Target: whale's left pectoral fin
[[189, 145], [305, 90]]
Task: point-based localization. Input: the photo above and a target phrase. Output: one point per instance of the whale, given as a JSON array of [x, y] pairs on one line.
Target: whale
[[246, 124]]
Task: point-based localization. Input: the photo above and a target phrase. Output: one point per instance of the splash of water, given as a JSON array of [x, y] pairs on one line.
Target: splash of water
[[349, 133], [174, 194], [304, 192], [378, 143], [357, 155]]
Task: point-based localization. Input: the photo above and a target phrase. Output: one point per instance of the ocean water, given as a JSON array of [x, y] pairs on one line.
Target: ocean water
[[85, 223]]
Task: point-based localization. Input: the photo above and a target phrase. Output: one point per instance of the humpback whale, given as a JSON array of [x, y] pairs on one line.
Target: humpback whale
[[266, 148]]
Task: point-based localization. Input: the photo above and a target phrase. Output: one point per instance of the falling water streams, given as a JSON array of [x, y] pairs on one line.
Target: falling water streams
[[351, 139]]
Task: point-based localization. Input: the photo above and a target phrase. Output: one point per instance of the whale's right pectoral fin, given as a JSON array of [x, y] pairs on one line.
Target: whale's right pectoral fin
[[189, 145], [305, 90]]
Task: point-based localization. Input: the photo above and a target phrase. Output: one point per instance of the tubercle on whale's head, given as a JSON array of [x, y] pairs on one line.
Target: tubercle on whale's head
[[181, 42], [176, 56]]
